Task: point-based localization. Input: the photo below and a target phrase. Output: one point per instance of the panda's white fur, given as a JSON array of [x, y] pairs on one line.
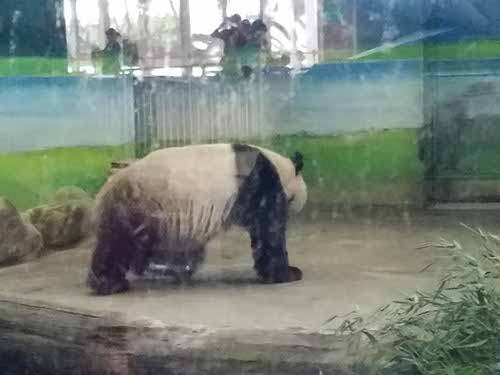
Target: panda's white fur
[[194, 186], [189, 193]]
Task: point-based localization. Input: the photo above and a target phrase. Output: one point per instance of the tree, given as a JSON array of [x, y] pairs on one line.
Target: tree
[[223, 7], [104, 21], [32, 28]]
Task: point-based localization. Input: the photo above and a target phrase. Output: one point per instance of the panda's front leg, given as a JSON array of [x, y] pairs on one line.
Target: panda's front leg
[[268, 240]]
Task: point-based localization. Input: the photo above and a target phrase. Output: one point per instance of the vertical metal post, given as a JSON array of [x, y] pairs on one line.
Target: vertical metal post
[[104, 22], [223, 8], [295, 18], [137, 88], [185, 34], [355, 26], [144, 34], [321, 36], [262, 9], [74, 38], [142, 117]]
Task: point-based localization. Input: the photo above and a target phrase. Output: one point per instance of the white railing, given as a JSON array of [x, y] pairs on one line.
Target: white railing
[[174, 112]]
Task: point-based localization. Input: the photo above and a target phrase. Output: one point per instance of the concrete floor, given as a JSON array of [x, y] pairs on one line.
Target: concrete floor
[[349, 260]]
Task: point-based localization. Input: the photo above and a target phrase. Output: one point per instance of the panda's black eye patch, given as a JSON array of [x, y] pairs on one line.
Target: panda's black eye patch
[[290, 200]]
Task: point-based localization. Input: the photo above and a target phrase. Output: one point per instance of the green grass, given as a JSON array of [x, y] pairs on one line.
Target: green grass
[[379, 167], [33, 66], [359, 168], [480, 49], [31, 178]]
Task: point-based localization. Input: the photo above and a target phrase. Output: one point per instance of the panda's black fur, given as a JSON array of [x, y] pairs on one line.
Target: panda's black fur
[[128, 231]]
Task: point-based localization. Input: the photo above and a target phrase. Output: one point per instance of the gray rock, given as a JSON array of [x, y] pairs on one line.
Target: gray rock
[[65, 220], [70, 193], [19, 240]]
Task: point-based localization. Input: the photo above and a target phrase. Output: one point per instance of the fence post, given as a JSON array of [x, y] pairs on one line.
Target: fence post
[[142, 122]]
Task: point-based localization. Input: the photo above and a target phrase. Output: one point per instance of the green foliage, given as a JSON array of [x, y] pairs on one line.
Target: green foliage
[[452, 329]]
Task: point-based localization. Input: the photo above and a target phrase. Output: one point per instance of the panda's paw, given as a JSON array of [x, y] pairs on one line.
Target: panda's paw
[[294, 274], [279, 275], [107, 287]]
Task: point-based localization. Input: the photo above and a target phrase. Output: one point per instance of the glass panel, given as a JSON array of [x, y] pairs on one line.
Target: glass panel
[[235, 186]]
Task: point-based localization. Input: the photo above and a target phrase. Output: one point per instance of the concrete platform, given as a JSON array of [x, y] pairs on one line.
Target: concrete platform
[[350, 260]]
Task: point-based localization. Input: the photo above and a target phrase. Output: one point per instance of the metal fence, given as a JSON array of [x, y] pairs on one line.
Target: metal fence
[[172, 112]]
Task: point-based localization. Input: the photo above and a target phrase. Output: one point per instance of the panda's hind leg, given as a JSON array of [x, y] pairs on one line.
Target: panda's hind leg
[[114, 257], [118, 251], [108, 268]]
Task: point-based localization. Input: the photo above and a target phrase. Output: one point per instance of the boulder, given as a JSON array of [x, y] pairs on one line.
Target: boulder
[[19, 240], [65, 220], [70, 193]]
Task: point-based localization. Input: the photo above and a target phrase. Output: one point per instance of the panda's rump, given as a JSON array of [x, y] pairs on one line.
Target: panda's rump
[[187, 191]]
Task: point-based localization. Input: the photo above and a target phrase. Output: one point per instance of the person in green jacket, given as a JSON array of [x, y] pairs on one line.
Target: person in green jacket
[[109, 57]]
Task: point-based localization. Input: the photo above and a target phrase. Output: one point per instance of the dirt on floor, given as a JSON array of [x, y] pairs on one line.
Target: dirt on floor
[[350, 260]]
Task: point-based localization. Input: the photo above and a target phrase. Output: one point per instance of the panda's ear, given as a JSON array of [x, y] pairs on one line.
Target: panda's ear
[[298, 162]]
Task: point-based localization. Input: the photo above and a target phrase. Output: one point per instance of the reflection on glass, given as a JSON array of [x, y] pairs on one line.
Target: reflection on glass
[[386, 110]]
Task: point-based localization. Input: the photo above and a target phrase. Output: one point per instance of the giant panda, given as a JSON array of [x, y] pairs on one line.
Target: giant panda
[[165, 207]]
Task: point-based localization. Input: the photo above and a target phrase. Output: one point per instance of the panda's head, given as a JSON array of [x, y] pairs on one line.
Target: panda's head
[[290, 174]]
